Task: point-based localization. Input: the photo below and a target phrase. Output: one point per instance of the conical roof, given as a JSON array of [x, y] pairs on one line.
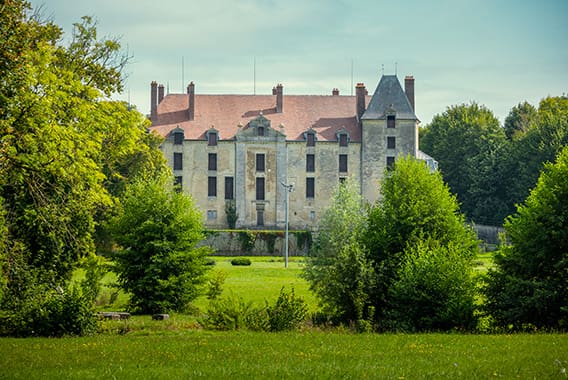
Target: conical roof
[[389, 98]]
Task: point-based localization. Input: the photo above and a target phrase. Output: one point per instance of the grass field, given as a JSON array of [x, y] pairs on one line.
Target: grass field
[[314, 355]]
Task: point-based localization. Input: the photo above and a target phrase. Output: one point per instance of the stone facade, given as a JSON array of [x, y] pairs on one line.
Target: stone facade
[[245, 148]]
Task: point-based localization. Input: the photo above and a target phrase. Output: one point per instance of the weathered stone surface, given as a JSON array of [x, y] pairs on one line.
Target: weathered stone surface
[[160, 317]]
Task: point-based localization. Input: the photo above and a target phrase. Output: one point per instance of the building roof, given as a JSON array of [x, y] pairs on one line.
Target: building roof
[[389, 98], [325, 114]]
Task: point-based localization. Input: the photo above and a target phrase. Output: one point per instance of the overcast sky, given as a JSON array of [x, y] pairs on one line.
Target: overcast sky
[[495, 52]]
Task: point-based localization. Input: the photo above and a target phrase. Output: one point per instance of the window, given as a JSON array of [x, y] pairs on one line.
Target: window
[[343, 163], [310, 188], [310, 163], [260, 131], [212, 165], [178, 183], [211, 214], [260, 162], [212, 138], [390, 121], [178, 161], [212, 186], [229, 185], [260, 217], [391, 142], [311, 138], [390, 162], [178, 138], [343, 139], [260, 189]]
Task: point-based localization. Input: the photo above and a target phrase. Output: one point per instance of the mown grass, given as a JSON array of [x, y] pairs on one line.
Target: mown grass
[[308, 355]]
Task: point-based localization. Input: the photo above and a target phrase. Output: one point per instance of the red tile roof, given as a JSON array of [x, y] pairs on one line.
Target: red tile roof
[[325, 114]]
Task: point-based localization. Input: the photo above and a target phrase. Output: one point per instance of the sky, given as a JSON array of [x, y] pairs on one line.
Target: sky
[[497, 53]]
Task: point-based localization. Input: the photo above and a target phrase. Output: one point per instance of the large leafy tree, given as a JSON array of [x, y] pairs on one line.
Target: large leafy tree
[[337, 269], [159, 263], [467, 141], [530, 284], [519, 120], [417, 207]]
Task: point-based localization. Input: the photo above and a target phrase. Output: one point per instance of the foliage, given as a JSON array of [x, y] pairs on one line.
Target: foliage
[[287, 313], [530, 284], [247, 239], [233, 313], [416, 207], [468, 142], [241, 261], [434, 290], [159, 263], [215, 284], [337, 268], [231, 212], [519, 120]]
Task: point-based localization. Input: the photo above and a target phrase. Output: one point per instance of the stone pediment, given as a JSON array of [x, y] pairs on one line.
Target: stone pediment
[[259, 129]]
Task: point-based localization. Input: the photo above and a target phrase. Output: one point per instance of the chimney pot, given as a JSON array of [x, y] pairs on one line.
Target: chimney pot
[[335, 92], [279, 98], [160, 93], [154, 101], [360, 93], [191, 104], [409, 89]]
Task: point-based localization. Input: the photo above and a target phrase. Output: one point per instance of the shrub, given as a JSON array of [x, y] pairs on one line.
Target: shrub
[[233, 313], [215, 284], [287, 313], [242, 261], [231, 212], [247, 239]]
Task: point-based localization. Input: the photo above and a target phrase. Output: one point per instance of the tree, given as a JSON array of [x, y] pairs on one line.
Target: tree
[[337, 268], [519, 120], [416, 207], [530, 284], [158, 262], [467, 140]]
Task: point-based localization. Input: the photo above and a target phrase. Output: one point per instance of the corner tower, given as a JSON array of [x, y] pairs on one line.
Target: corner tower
[[389, 129]]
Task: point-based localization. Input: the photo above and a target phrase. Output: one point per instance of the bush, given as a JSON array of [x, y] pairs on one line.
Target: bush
[[52, 313], [233, 313], [243, 261], [287, 313], [215, 284]]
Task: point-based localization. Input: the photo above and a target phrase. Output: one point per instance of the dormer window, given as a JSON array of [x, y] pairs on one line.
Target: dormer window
[[260, 131], [391, 121], [178, 136], [212, 138], [343, 138], [310, 138]]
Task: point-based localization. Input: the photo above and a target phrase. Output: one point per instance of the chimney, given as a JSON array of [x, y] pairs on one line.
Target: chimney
[[360, 92], [154, 101], [409, 89], [160, 93], [191, 105], [335, 92], [279, 96], [273, 90]]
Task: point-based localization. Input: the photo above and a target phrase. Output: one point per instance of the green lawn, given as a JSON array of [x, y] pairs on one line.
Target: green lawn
[[308, 355]]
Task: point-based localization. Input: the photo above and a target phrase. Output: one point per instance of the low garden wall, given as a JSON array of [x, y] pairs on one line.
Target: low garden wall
[[257, 243]]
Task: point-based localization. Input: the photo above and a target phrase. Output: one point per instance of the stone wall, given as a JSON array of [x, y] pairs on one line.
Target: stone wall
[[257, 243]]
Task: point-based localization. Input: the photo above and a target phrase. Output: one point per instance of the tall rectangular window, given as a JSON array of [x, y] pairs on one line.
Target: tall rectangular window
[[178, 138], [311, 139], [229, 188], [310, 163], [178, 161], [391, 121], [310, 187], [260, 189], [212, 139], [260, 162], [343, 139], [260, 217], [212, 162], [390, 162], [260, 131], [391, 142], [343, 163], [212, 186]]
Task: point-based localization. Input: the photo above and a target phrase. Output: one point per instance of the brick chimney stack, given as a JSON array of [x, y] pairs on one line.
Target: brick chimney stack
[[154, 101], [273, 90], [191, 105], [409, 90], [360, 92], [279, 98], [335, 92], [160, 93]]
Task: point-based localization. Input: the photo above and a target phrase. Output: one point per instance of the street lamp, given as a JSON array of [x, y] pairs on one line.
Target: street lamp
[[288, 188]]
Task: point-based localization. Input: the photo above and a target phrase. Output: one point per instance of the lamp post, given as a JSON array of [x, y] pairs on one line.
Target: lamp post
[[288, 188]]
